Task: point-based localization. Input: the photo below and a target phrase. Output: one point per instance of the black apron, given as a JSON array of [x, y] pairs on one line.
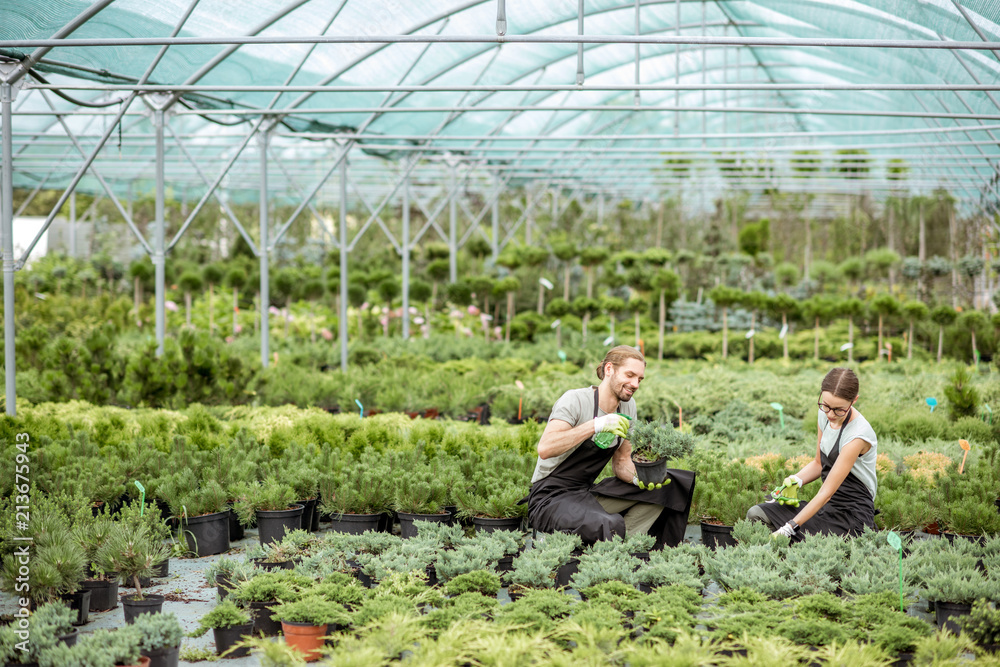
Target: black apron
[[849, 510], [564, 500]]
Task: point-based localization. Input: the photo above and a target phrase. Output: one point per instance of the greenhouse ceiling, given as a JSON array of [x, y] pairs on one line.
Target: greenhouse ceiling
[[643, 100]]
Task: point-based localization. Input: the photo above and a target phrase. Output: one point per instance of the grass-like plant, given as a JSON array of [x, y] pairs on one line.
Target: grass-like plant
[[226, 614], [311, 609]]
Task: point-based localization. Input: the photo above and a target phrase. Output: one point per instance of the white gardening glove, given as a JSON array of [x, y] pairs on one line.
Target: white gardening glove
[[788, 530], [792, 479], [613, 423]]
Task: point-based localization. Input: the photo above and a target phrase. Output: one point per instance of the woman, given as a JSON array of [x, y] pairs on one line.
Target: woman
[[846, 448]]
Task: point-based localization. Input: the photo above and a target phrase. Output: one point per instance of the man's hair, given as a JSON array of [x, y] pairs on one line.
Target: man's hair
[[617, 356], [842, 383]]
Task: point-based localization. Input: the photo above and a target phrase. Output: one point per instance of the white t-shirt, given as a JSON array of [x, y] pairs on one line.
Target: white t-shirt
[[858, 427], [575, 407]]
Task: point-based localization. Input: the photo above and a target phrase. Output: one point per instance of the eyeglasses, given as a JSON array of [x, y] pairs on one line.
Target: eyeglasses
[[839, 412]]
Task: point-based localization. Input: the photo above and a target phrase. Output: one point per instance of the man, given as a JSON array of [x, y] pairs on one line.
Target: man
[[586, 430]]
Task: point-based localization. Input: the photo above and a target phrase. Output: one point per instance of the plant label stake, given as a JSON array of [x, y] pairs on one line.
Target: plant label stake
[[609, 340], [562, 356], [893, 539], [360, 407], [931, 401], [520, 399], [964, 444], [142, 494], [846, 346], [783, 332], [781, 413], [750, 334]]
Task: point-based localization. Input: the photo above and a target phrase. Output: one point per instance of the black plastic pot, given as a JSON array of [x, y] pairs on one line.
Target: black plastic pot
[[69, 639], [163, 657], [308, 509], [272, 567], [236, 530], [207, 534], [947, 614], [223, 585], [272, 525], [644, 587], [386, 519], [354, 524], [79, 601], [226, 637], [149, 604], [406, 528], [143, 581], [262, 623], [488, 525], [505, 564], [566, 572], [653, 472], [103, 594], [162, 570], [365, 580], [975, 539], [314, 524], [714, 536]]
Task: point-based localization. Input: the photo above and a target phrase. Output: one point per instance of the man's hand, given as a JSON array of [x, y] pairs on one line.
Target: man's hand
[[649, 486], [613, 423], [792, 479]]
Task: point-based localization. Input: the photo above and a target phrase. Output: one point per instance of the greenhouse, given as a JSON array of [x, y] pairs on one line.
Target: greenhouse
[[362, 258]]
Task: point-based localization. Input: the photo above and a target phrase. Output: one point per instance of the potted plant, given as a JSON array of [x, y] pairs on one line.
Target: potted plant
[[161, 638], [265, 591], [270, 506], [356, 497], [102, 648], [202, 510], [420, 495], [131, 552], [305, 623], [494, 506], [91, 533], [722, 496], [226, 573], [147, 514], [982, 625], [230, 624], [55, 563], [304, 481], [953, 591], [653, 444]]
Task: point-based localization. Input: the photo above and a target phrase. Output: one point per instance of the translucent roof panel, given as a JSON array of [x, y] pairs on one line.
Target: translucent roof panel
[[431, 81]]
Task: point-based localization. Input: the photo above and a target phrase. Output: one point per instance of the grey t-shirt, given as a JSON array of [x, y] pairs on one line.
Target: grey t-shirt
[[575, 407], [864, 467]]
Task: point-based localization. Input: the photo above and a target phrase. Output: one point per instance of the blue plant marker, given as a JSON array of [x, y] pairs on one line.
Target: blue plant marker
[[360, 407], [781, 413], [931, 401], [893, 539], [142, 497]]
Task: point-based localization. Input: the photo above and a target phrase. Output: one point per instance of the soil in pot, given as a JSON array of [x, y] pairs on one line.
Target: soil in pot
[[164, 657], [947, 614], [80, 602], [103, 594], [488, 525], [227, 637], [305, 638], [262, 622], [406, 528], [207, 534], [652, 472], [272, 525], [149, 604], [714, 536], [354, 524]]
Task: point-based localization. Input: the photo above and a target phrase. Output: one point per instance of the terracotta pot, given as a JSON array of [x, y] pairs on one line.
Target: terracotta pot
[[143, 662], [305, 638]]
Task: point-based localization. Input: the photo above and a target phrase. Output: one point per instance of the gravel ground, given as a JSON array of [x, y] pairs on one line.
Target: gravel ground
[[190, 597]]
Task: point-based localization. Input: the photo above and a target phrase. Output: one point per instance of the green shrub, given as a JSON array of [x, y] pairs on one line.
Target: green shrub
[[963, 398], [479, 581]]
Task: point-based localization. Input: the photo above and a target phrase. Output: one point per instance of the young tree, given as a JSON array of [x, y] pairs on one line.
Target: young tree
[[852, 268], [786, 274], [942, 316], [357, 296], [914, 311], [880, 263], [584, 307], [236, 279], [592, 257], [971, 321], [141, 272], [637, 306], [886, 305], [850, 308], [212, 274], [565, 252], [725, 297], [438, 270], [189, 282], [283, 286], [788, 309], [668, 284], [312, 291], [557, 309], [388, 290], [508, 286], [818, 308], [754, 302], [613, 306]]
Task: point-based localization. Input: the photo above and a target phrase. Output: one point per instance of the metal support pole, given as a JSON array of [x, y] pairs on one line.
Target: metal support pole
[[72, 225], [495, 221], [406, 254], [452, 212], [579, 47], [265, 279], [7, 220], [343, 266], [159, 233]]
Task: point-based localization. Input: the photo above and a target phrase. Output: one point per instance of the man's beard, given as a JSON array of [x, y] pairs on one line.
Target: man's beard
[[621, 391]]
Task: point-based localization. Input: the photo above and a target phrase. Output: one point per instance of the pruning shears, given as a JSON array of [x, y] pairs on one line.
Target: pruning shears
[[786, 495]]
